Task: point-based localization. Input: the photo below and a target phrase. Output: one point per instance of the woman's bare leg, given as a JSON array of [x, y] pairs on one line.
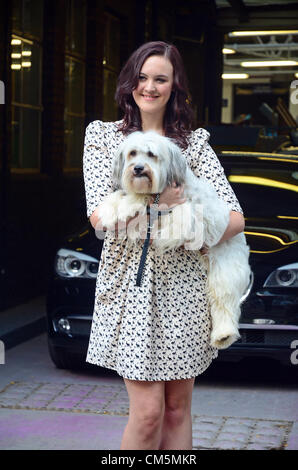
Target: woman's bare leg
[[146, 410], [177, 425]]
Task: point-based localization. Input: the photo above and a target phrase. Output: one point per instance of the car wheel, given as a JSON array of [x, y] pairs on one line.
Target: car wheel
[[58, 357], [63, 360]]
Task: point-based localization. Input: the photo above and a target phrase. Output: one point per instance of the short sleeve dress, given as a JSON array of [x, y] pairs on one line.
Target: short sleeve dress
[[161, 330]]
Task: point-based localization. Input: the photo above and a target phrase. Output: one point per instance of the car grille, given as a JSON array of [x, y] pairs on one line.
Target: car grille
[[267, 337]]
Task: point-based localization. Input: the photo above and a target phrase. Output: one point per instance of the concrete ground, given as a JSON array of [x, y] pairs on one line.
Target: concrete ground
[[251, 405]]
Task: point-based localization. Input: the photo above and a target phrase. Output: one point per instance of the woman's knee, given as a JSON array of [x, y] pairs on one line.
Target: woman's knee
[[176, 412], [146, 408], [147, 421], [178, 402], [150, 415]]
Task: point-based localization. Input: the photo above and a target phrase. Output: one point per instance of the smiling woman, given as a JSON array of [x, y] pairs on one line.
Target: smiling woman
[[155, 335], [153, 92]]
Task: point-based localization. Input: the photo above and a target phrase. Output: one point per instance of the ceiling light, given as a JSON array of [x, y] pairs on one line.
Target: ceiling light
[[16, 42], [234, 75], [269, 63], [228, 51], [296, 75], [263, 33]]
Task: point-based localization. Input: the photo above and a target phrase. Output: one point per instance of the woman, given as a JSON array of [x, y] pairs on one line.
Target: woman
[[156, 336]]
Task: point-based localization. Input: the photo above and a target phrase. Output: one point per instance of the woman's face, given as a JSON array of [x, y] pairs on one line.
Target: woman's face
[[155, 85]]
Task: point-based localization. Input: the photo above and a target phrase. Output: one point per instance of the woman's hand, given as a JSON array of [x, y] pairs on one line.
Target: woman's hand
[[171, 196], [204, 250]]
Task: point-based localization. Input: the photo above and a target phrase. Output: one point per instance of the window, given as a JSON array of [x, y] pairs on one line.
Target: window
[[111, 64], [75, 54], [26, 63]]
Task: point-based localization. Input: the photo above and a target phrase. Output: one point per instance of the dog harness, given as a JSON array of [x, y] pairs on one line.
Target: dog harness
[[153, 215]]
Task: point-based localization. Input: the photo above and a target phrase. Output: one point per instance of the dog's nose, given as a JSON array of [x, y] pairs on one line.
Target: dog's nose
[[138, 169]]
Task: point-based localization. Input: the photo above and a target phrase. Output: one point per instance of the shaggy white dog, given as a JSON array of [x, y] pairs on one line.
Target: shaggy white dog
[[144, 165]]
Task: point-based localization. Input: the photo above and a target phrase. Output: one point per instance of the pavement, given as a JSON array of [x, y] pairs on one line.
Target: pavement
[[45, 408]]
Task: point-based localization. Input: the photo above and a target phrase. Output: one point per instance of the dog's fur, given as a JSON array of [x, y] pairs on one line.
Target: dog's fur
[[144, 165]]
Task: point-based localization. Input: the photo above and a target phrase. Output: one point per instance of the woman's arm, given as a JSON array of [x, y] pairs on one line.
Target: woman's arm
[[94, 218], [236, 225]]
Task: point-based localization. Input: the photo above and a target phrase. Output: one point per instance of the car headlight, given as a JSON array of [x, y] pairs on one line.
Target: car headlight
[[71, 263], [285, 276]]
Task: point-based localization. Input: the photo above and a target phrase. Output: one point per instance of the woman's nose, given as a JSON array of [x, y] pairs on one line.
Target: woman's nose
[[150, 86]]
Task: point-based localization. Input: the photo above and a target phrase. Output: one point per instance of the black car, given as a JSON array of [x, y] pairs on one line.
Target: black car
[[267, 188]]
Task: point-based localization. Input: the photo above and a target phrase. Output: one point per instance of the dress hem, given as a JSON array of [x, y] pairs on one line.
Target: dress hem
[[125, 376]]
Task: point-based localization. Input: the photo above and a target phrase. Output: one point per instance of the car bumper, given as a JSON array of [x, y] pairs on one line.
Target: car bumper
[[271, 341]]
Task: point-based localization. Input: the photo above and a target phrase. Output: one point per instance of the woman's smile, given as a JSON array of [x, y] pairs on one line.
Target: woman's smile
[[149, 97]]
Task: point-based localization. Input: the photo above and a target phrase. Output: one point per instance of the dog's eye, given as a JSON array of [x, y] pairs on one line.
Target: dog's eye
[[133, 153], [150, 154]]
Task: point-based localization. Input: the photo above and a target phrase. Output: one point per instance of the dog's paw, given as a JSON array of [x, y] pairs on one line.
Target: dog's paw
[[127, 210], [223, 334], [108, 216], [108, 209]]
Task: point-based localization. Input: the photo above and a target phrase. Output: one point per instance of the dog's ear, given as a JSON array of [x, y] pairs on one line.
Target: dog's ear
[[177, 164], [118, 163]]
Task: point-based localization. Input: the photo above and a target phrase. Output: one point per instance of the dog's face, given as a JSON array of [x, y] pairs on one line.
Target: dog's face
[[147, 162]]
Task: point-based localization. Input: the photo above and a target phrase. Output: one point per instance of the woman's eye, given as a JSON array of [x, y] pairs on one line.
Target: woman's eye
[[161, 80], [141, 78]]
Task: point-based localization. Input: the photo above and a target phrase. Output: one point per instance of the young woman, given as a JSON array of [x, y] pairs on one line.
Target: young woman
[[155, 336]]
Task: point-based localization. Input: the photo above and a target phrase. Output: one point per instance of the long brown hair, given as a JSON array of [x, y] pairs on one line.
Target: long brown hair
[[178, 117]]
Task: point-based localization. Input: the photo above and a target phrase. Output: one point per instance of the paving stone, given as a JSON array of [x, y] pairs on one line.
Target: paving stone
[[272, 441], [258, 446], [236, 437], [228, 445], [208, 436], [205, 426], [202, 442], [208, 419], [241, 428]]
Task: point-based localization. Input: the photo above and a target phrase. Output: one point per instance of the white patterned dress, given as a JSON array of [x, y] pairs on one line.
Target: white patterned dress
[[161, 330]]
